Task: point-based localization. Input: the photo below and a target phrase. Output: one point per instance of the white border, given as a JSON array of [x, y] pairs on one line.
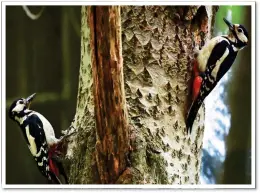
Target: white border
[[253, 95], [72, 186]]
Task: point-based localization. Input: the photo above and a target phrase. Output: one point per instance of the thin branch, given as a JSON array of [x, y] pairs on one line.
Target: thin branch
[[32, 15]]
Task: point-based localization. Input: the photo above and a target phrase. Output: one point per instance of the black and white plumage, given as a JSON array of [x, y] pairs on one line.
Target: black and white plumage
[[212, 63], [40, 138]]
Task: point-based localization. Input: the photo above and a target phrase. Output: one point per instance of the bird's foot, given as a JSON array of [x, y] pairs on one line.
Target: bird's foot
[[69, 131]]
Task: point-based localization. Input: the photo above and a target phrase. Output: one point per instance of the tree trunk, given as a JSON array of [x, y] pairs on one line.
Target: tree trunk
[[80, 154], [112, 143], [158, 46]]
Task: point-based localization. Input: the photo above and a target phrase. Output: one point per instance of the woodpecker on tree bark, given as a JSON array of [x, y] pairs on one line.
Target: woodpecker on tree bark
[[40, 138], [212, 62]]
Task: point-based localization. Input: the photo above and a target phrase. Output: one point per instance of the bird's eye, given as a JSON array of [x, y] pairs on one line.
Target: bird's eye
[[20, 102], [239, 30]]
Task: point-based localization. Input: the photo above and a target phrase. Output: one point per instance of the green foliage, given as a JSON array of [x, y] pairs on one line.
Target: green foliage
[[236, 11]]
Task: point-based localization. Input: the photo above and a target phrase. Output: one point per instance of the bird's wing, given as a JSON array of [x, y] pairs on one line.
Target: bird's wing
[[37, 142], [209, 79], [34, 131], [216, 58], [39, 147]]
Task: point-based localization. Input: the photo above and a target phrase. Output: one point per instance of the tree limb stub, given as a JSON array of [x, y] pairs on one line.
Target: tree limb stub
[[112, 144]]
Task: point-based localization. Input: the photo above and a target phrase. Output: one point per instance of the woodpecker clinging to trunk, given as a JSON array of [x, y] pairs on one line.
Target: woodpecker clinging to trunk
[[40, 138], [212, 62]]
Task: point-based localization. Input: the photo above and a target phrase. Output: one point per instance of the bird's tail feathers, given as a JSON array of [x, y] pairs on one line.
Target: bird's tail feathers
[[54, 178], [192, 114], [58, 170]]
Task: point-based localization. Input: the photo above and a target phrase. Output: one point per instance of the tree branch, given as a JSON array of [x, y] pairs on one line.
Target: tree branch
[[32, 15]]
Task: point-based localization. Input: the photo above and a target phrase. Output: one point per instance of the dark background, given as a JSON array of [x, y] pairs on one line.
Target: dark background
[[42, 56]]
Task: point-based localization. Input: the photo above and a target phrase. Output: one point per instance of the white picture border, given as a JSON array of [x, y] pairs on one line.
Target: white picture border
[[79, 3]]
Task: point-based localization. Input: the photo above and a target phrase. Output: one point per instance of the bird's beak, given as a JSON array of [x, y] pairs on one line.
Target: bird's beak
[[29, 99], [230, 25]]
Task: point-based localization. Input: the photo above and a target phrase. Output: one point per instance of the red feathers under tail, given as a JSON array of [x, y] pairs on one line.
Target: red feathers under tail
[[55, 165], [197, 81]]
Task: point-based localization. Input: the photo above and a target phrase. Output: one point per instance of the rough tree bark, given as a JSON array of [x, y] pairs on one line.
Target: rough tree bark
[[112, 143], [158, 44]]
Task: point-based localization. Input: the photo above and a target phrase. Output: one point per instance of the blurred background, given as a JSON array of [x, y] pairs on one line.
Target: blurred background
[[43, 56], [227, 147]]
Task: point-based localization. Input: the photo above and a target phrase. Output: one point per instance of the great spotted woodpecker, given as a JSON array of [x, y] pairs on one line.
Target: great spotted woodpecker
[[212, 62], [40, 138]]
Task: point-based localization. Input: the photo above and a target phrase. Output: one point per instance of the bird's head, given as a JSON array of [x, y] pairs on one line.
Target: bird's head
[[20, 107], [238, 34]]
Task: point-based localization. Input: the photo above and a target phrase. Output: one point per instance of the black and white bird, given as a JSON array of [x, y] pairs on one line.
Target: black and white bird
[[40, 138], [212, 63]]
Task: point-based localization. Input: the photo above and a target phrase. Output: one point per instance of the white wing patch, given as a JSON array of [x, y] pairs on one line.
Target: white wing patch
[[205, 52], [31, 140], [214, 72], [48, 129]]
